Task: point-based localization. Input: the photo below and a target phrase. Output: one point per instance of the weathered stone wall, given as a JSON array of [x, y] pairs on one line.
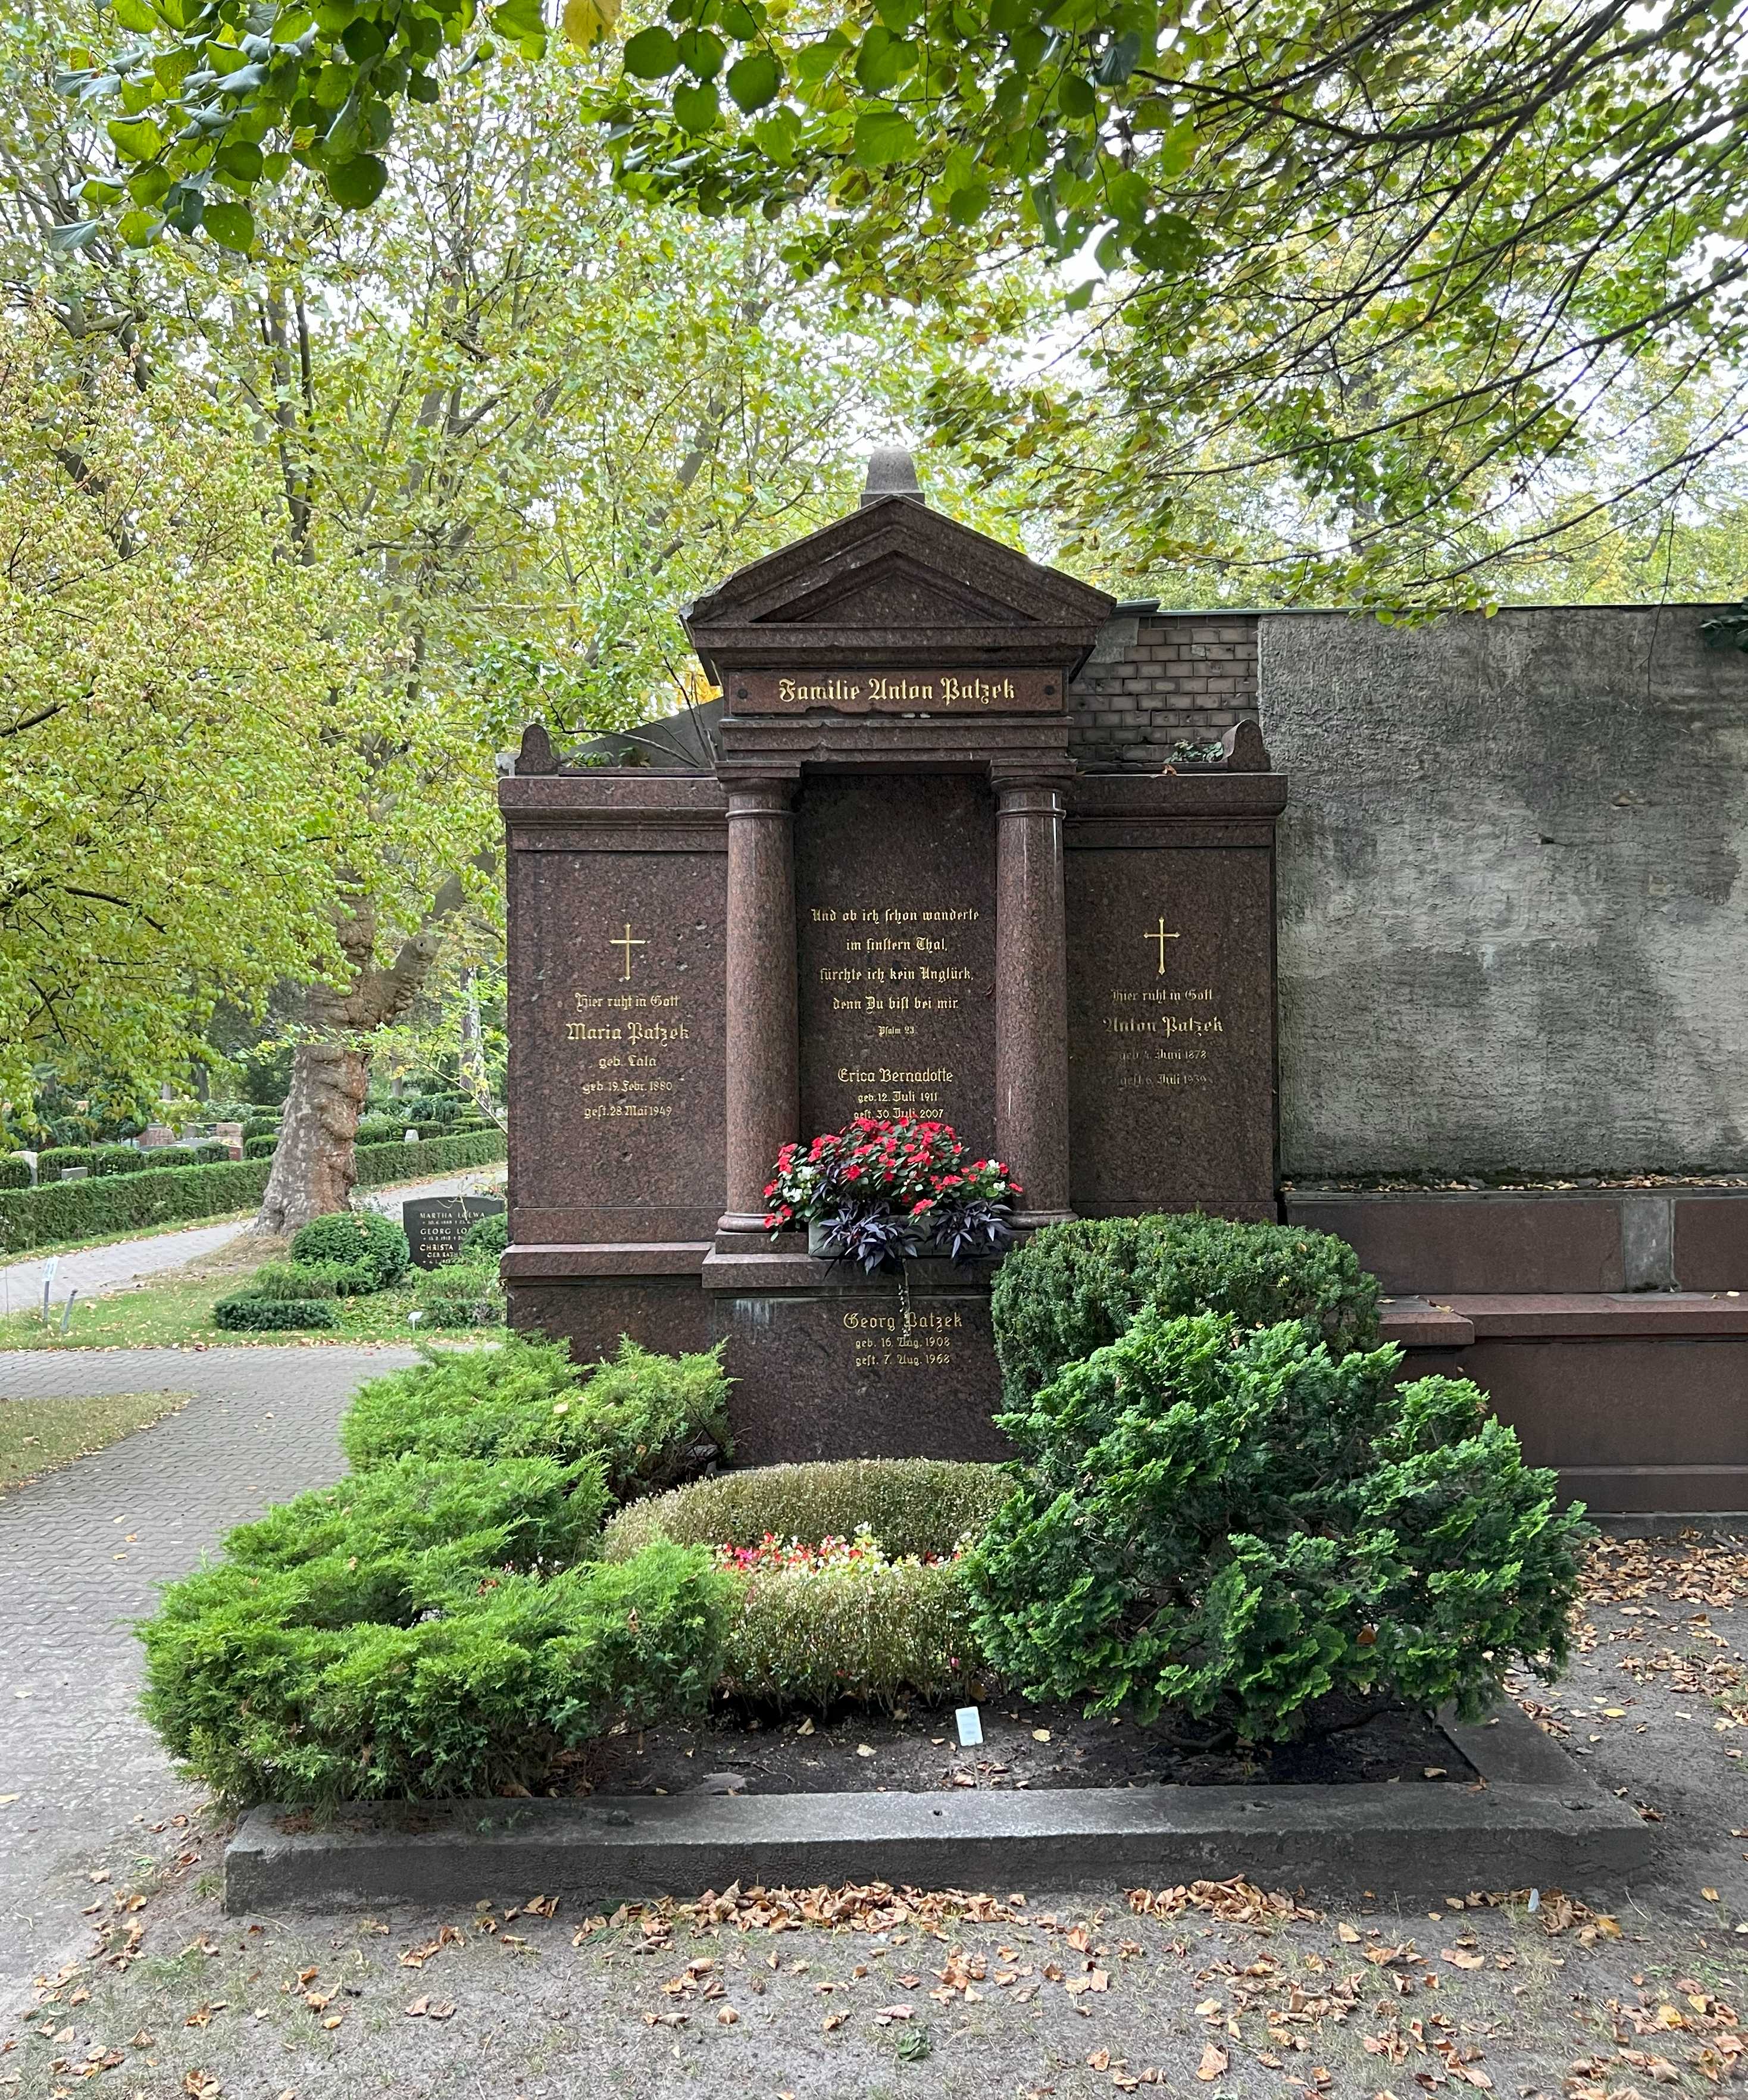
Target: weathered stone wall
[[1159, 679], [1513, 916]]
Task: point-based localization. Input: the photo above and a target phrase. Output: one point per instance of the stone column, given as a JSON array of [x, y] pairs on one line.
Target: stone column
[[763, 1090], [1031, 997]]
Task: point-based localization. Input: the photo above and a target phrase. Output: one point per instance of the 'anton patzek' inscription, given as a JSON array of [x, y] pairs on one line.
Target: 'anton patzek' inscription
[[896, 692]]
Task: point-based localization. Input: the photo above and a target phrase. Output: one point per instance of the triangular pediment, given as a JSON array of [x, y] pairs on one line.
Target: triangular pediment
[[895, 589], [896, 583]]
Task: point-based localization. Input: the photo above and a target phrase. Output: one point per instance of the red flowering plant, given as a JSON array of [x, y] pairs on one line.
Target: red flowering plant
[[884, 1191]]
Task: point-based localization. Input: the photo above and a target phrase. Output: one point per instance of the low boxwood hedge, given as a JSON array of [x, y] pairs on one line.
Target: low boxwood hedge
[[381, 1163], [410, 1634], [260, 1148], [154, 1195], [870, 1629], [911, 1504], [245, 1313], [15, 1173], [127, 1203]]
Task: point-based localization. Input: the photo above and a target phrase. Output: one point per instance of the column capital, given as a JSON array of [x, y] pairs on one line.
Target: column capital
[[1040, 772], [761, 787]]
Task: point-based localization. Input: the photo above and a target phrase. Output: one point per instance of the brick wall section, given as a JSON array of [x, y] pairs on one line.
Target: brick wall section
[[1156, 679]]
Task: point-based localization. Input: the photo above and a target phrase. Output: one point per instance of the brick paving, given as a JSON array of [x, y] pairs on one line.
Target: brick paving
[[82, 1553], [90, 1270]]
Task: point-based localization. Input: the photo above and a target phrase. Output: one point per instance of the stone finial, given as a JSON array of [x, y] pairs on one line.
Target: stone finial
[[536, 754], [891, 472], [1245, 750]]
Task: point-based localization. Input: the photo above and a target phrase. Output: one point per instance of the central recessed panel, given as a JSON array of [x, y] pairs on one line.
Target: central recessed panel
[[895, 910]]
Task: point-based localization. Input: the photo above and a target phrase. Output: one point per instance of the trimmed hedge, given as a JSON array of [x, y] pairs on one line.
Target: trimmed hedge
[[247, 1313], [381, 1163], [911, 1504], [1074, 1288], [15, 1173], [127, 1203], [260, 1126], [402, 1636], [151, 1195], [651, 1420], [868, 1632], [380, 1130], [260, 1148]]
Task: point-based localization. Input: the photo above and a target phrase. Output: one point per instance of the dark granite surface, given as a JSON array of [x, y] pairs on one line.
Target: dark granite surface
[[1171, 1028], [896, 908], [616, 1062]]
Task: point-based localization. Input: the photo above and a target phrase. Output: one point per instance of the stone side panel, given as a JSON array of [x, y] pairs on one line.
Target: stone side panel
[[1156, 680]]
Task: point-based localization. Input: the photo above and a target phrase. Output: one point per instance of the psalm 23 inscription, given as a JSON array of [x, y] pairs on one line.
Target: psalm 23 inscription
[[896, 948]]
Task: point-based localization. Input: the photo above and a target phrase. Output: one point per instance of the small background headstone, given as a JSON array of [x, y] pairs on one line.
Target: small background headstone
[[154, 1135], [435, 1225]]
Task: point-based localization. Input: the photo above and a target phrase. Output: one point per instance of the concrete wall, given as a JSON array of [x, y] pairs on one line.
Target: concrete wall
[[1513, 911]]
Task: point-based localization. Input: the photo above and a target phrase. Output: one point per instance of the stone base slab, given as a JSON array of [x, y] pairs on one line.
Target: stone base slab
[[1537, 1823]]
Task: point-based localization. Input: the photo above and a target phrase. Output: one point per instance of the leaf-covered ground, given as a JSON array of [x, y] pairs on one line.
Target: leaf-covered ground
[[851, 1995]]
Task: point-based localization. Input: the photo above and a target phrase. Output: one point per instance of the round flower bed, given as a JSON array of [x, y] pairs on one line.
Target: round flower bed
[[851, 1576]]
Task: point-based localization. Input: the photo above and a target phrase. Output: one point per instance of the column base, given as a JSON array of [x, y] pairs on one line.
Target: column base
[[741, 1225], [1033, 1221]]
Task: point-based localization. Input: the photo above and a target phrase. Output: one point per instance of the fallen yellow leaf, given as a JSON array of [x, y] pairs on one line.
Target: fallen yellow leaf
[[1213, 2064]]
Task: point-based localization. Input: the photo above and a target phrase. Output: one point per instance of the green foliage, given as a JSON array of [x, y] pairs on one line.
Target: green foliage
[[413, 1633], [123, 1159], [14, 1173], [651, 1420], [486, 1238], [356, 1238], [912, 1505], [127, 1203], [380, 1130], [257, 1127], [209, 1150], [379, 1164], [1075, 1287], [260, 1148], [868, 1632], [460, 1294], [1235, 1525], [248, 1313], [313, 1279], [809, 1637], [51, 1162]]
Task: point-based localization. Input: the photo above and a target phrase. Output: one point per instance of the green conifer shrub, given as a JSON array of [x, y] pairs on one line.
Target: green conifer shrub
[[1075, 1287], [1234, 1524]]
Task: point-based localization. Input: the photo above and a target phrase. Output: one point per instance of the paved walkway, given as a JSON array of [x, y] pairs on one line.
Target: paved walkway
[[91, 1271], [82, 1551]]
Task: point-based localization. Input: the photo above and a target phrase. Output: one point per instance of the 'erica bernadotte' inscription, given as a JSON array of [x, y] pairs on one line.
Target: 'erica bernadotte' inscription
[[894, 899]]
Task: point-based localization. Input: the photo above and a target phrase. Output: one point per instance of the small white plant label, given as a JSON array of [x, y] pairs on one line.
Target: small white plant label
[[970, 1726]]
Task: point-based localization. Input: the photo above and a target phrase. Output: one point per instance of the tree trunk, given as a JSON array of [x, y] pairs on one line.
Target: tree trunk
[[315, 1165]]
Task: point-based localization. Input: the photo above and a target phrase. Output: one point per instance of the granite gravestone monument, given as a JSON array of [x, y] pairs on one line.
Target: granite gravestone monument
[[435, 1226], [882, 886]]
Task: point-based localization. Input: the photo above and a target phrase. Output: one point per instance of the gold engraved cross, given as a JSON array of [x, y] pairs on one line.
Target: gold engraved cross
[[628, 944], [1162, 936]]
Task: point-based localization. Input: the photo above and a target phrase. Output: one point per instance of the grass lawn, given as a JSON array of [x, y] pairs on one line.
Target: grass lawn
[[176, 1308], [38, 1435]]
